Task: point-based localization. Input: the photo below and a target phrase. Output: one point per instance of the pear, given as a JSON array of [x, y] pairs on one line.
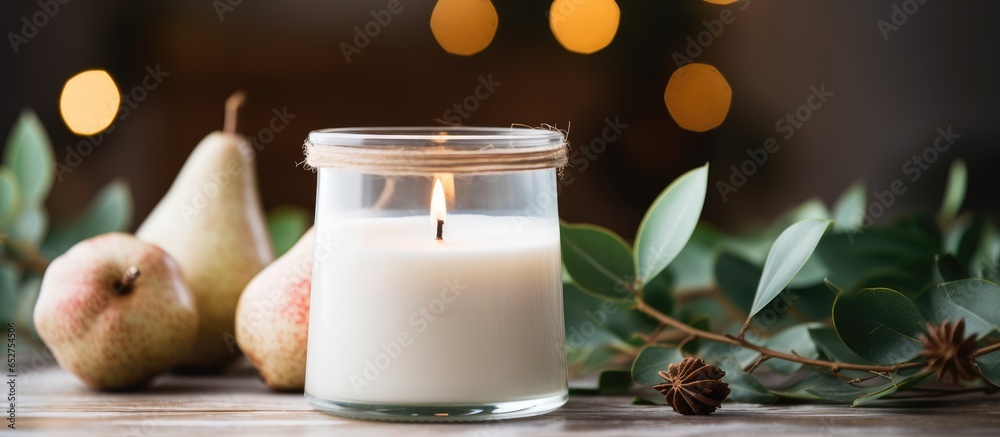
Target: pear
[[212, 223], [272, 319], [115, 311]]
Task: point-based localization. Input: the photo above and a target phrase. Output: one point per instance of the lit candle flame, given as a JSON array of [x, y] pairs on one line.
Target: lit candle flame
[[438, 208]]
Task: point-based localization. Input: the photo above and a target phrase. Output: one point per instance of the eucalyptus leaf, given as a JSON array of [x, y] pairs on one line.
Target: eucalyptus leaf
[[745, 387], [954, 192], [795, 338], [849, 210], [9, 279], [29, 154], [659, 293], [951, 269], [978, 249], [10, 196], [787, 256], [829, 343], [598, 260], [975, 300], [595, 325], [898, 256], [285, 225], [836, 389], [651, 360], [799, 389], [989, 366], [879, 324], [660, 400], [580, 311], [738, 279], [692, 268], [899, 381], [614, 381], [109, 211], [599, 359], [31, 284], [815, 302], [703, 322], [669, 223], [29, 225]]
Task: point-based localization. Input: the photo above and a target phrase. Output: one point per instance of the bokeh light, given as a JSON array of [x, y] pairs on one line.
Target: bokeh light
[[584, 26], [464, 27], [722, 2], [89, 102], [698, 97]]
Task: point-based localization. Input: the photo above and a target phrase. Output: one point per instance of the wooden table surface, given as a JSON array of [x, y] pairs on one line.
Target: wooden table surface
[[54, 402]]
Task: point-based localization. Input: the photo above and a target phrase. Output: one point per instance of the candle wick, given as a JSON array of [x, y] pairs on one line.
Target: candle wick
[[440, 230]]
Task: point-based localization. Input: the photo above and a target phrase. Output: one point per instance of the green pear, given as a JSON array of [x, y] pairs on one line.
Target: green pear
[[115, 311], [272, 319], [212, 223]]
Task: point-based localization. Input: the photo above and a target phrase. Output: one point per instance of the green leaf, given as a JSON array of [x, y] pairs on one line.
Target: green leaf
[[649, 401], [27, 296], [659, 293], [899, 256], [975, 300], [745, 387], [583, 337], [879, 324], [738, 279], [950, 269], [829, 343], [651, 360], [798, 390], [29, 225], [787, 256], [9, 278], [815, 302], [978, 249], [614, 381], [989, 366], [795, 338], [692, 268], [599, 261], [669, 222], [10, 196], [109, 211], [900, 381], [954, 192], [285, 225], [836, 389], [849, 210], [703, 322], [29, 154]]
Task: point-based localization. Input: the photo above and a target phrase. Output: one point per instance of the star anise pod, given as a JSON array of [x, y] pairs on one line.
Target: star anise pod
[[693, 386], [949, 351]]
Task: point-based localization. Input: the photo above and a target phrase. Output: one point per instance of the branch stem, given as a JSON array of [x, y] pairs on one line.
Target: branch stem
[[644, 308]]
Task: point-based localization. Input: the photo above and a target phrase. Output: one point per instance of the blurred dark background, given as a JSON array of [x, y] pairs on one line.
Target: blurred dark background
[[937, 69]]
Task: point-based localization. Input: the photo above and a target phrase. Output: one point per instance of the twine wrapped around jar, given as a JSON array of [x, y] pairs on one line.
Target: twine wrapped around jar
[[421, 150]]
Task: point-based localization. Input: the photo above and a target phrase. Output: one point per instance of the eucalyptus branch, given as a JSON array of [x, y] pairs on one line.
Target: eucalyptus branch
[[986, 349], [643, 307], [29, 259]]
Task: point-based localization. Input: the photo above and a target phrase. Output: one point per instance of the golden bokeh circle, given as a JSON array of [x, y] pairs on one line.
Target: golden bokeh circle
[[698, 97], [464, 27], [89, 102], [584, 26]]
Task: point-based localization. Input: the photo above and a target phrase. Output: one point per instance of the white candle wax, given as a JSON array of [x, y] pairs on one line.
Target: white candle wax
[[400, 318]]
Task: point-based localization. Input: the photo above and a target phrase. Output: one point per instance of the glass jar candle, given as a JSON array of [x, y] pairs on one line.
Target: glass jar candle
[[437, 287]]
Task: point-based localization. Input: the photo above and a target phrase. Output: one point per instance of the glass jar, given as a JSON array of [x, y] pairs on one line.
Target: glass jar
[[437, 288]]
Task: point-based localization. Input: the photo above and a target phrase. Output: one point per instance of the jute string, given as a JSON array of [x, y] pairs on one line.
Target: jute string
[[425, 159]]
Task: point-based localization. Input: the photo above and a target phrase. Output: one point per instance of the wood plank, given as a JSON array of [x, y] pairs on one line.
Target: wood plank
[[53, 401]]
